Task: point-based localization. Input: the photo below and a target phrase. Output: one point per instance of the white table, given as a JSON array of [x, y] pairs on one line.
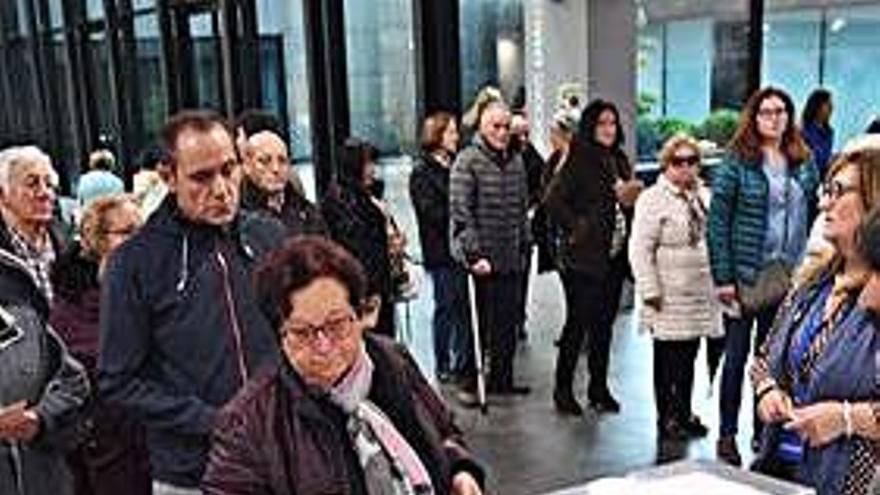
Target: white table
[[699, 477]]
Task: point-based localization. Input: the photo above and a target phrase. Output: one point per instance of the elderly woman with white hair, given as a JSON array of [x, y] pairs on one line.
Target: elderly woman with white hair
[[41, 387], [670, 262]]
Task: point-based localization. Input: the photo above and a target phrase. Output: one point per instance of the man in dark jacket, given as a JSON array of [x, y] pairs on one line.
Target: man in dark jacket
[[490, 234], [267, 187], [42, 389], [181, 331]]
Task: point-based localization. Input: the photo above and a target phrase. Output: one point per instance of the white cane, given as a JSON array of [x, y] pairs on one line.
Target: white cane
[[478, 348]]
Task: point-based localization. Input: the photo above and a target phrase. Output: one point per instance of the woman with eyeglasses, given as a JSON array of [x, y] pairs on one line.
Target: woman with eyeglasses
[[670, 262], [348, 410], [817, 377], [113, 457], [758, 224]]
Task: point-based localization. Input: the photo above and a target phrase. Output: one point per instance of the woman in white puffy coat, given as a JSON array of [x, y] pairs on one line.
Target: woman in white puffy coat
[[670, 262]]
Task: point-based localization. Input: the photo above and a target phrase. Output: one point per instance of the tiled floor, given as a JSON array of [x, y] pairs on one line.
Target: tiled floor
[[527, 447]]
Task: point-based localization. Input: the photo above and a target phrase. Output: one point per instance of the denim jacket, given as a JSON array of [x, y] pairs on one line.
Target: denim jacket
[[848, 369]]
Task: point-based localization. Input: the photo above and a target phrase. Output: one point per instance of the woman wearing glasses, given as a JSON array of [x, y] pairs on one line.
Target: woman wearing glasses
[[758, 225], [348, 411], [817, 377], [670, 263]]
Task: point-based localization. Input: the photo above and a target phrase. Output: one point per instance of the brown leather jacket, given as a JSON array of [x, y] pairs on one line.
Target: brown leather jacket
[[280, 437]]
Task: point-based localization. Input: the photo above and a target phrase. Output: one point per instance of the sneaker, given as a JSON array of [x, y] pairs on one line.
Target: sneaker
[[727, 451]]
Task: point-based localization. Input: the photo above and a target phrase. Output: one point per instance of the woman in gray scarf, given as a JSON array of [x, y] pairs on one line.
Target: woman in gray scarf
[[348, 411]]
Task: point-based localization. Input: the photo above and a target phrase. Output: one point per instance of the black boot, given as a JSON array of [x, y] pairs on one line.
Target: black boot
[[566, 404]]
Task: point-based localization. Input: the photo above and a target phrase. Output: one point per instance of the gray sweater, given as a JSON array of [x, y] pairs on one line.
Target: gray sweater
[[488, 203], [36, 367]]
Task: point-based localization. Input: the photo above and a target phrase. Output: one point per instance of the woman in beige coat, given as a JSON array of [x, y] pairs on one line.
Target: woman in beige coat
[[670, 262]]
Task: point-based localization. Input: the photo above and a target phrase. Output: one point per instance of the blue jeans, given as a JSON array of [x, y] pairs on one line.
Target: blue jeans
[[452, 322], [736, 349]]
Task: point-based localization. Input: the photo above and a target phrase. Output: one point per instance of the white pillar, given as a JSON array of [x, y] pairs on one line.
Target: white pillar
[[556, 53], [590, 42]]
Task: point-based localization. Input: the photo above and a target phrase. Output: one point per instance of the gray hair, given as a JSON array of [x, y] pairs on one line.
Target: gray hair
[[16, 156]]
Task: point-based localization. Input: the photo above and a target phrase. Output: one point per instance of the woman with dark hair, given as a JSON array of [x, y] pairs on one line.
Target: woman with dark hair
[[589, 198], [817, 377], [347, 411], [816, 127], [758, 224], [358, 222], [429, 192]]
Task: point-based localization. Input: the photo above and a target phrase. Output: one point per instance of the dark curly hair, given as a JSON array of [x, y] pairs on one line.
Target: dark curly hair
[[300, 261]]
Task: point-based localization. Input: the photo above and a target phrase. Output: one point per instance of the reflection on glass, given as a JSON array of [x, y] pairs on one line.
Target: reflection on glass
[[692, 70], [94, 9], [284, 85], [205, 61], [150, 84], [381, 73], [809, 47], [492, 52]]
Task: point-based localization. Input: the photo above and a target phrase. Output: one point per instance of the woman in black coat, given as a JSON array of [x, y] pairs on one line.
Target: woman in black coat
[[590, 198], [357, 221]]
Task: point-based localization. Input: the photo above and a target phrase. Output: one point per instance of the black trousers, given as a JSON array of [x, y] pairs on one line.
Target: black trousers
[[591, 308], [674, 378], [498, 302]]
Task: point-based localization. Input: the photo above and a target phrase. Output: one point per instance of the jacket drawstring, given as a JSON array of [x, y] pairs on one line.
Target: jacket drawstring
[[184, 265]]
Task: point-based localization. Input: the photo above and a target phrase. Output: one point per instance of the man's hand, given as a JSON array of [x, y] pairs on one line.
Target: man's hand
[[465, 484], [819, 424], [482, 267]]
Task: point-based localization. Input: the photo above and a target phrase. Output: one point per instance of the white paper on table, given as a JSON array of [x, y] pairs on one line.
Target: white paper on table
[[697, 483]]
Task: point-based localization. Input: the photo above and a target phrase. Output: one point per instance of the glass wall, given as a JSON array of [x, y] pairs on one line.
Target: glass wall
[[150, 82], [283, 60], [380, 54], [834, 46], [492, 48], [692, 69]]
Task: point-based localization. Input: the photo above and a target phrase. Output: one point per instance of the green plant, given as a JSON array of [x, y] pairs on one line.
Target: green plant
[[647, 137], [670, 126], [645, 103], [719, 126]]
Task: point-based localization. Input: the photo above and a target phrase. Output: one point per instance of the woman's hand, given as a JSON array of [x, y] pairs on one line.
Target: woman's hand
[[628, 191], [819, 423], [775, 406], [464, 483], [726, 294], [655, 303]]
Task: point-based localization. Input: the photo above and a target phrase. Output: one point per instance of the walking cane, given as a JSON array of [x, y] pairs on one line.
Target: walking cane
[[478, 348]]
